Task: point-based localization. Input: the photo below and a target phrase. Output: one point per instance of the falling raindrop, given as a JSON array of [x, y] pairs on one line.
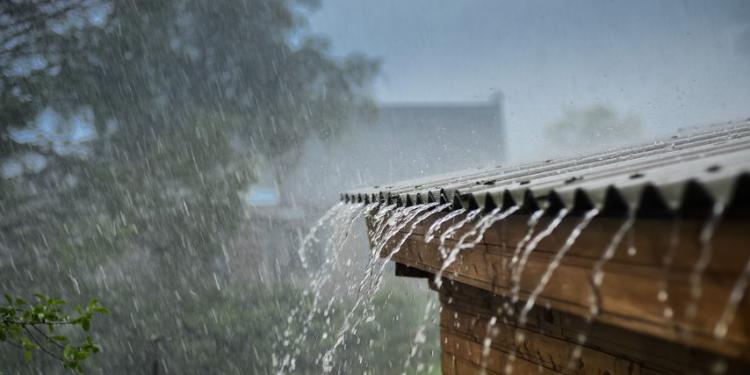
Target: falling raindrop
[[419, 336], [735, 297], [574, 234], [667, 260], [430, 235], [310, 237], [706, 252], [597, 270], [480, 226], [517, 271]]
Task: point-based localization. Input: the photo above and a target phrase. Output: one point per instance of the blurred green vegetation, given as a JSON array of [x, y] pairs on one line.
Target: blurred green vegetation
[[157, 116]]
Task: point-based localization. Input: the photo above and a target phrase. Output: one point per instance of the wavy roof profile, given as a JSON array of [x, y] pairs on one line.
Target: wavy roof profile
[[682, 174]]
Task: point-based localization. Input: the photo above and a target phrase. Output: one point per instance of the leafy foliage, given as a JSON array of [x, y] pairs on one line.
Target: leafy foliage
[[151, 118], [41, 326]]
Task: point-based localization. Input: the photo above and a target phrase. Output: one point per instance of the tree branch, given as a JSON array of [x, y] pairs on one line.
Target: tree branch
[[46, 337], [41, 347]]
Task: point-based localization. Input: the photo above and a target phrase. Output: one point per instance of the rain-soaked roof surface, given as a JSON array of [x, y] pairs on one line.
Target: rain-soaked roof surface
[[687, 173]]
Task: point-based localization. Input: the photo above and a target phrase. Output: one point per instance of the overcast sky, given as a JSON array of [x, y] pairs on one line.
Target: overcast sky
[[672, 63]]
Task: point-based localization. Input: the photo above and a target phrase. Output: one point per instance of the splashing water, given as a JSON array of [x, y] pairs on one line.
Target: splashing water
[[479, 229], [663, 294], [517, 272], [735, 297], [483, 225], [425, 211], [451, 230], [531, 224], [419, 336], [414, 225], [491, 332], [399, 219], [405, 215], [450, 257], [388, 227], [380, 223], [696, 276], [528, 249], [574, 234], [381, 229], [430, 235], [383, 224], [597, 270], [310, 237], [533, 221], [341, 222], [378, 279], [475, 231], [595, 281]]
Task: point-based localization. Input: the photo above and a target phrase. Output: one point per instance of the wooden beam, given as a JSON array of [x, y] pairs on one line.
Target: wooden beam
[[550, 339], [403, 270], [632, 280]]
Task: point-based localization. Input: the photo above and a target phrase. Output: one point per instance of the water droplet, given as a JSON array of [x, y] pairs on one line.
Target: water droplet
[[520, 337], [598, 278], [668, 312], [662, 296], [721, 330]]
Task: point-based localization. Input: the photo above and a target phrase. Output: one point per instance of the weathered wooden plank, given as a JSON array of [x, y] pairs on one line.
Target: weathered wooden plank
[[550, 337], [466, 313], [447, 362], [651, 237], [552, 353], [631, 283], [468, 359]]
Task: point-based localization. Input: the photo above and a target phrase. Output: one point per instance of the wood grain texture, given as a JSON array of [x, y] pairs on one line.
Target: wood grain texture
[[549, 340], [632, 282]]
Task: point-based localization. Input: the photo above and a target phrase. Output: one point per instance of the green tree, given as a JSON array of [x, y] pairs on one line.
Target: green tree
[[150, 116]]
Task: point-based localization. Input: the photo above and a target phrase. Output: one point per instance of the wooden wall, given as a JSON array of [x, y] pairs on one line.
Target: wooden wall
[[549, 340], [632, 334]]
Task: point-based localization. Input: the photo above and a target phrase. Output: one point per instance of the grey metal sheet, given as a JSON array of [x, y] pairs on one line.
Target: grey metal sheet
[[710, 163]]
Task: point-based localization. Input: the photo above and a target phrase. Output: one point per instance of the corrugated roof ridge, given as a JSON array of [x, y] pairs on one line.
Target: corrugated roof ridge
[[593, 179], [454, 177]]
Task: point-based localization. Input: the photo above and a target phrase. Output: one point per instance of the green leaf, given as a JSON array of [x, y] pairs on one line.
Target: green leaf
[[101, 309], [9, 299], [80, 355], [68, 352], [28, 344]]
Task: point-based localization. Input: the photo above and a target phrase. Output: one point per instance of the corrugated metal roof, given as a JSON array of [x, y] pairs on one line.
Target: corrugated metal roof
[[683, 173]]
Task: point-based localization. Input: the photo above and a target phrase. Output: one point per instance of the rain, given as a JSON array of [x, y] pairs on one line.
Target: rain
[[330, 186]]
